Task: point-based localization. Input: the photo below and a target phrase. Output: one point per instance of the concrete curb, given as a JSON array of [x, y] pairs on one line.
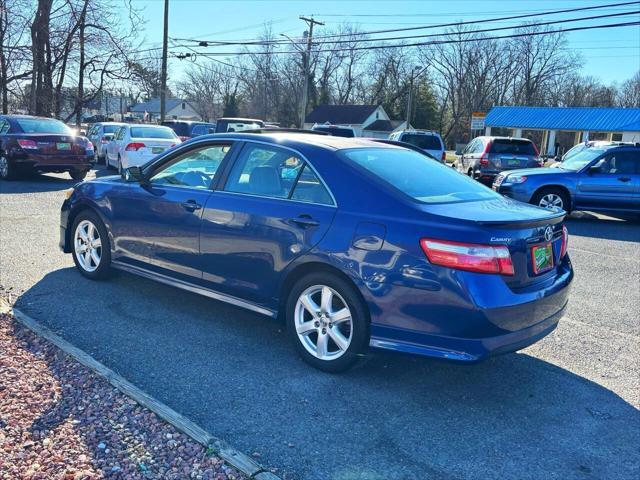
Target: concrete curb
[[233, 457]]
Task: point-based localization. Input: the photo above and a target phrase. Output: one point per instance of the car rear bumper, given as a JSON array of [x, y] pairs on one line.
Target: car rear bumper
[[492, 319], [53, 163]]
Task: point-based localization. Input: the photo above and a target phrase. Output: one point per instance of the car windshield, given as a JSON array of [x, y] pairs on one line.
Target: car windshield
[[110, 128], [419, 177], [515, 147], [577, 161], [43, 125], [152, 132], [336, 131], [425, 142]]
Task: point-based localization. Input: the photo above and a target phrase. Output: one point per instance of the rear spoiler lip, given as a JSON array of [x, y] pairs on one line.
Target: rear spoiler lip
[[552, 220]]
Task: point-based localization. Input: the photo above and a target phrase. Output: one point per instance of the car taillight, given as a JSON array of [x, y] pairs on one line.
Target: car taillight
[[444, 157], [468, 256], [565, 241], [134, 146], [28, 144], [484, 160]]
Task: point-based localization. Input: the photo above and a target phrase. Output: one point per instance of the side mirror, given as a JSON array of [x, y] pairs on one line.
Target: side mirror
[[133, 174]]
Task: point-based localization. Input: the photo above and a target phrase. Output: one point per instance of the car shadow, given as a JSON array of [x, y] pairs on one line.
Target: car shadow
[[236, 374], [586, 224], [37, 182]]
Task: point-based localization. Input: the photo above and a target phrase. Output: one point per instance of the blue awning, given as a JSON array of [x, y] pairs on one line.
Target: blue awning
[[560, 118]]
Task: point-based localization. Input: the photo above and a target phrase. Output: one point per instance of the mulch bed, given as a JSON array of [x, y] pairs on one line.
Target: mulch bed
[[58, 420]]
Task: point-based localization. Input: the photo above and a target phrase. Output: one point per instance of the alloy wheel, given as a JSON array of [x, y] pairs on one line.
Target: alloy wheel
[[323, 322], [88, 246], [551, 201]]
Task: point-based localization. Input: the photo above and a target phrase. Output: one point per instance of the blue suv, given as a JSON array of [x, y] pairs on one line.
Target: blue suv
[[353, 243], [596, 176]]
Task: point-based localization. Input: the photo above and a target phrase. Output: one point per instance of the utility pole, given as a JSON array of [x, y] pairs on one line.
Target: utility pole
[[307, 66], [163, 73], [415, 73]]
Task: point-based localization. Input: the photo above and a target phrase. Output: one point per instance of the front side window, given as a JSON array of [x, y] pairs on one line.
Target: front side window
[[617, 163], [194, 169], [417, 176], [4, 127]]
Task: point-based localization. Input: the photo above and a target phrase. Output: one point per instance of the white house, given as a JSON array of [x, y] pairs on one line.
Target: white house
[[366, 120], [176, 109]]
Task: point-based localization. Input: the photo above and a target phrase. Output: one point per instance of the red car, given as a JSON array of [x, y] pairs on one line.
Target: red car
[[39, 144]]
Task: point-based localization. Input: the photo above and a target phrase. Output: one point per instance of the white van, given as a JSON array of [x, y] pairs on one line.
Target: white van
[[427, 140]]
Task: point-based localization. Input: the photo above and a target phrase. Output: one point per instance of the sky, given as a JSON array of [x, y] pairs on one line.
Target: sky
[[612, 55]]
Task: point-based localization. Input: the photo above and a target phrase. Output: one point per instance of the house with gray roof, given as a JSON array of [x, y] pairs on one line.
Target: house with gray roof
[[176, 109], [366, 120]]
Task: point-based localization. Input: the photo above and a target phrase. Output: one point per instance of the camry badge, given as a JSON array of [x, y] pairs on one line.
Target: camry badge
[[548, 233]]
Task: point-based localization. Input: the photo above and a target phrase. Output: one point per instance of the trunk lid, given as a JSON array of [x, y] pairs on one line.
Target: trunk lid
[[55, 144]]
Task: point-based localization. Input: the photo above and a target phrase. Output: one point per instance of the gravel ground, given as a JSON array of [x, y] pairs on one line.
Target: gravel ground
[[564, 408], [59, 420]]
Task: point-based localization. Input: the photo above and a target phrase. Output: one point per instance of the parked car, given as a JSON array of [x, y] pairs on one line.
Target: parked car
[[410, 146], [224, 125], [335, 130], [38, 144], [100, 134], [189, 129], [137, 144], [328, 232], [427, 140], [599, 176], [485, 157]]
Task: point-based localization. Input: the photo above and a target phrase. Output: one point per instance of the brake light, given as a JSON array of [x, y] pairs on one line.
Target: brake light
[[468, 256], [565, 241], [27, 144], [444, 157], [135, 146], [484, 161]]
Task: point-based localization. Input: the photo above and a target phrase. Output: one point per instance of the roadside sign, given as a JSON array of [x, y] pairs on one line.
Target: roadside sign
[[477, 120]]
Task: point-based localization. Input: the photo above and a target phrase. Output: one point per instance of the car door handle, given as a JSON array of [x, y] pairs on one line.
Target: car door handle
[[191, 205], [304, 221], [624, 179]]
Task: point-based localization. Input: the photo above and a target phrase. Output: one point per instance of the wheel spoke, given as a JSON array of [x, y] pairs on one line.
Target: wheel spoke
[[91, 231], [310, 305], [83, 234], [94, 256], [340, 316], [306, 328], [321, 345], [340, 340], [97, 243], [87, 258], [327, 299]]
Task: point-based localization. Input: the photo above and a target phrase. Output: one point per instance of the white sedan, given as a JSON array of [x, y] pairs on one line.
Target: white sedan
[[135, 145]]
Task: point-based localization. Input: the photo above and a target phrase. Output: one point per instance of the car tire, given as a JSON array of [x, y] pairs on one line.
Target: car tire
[[94, 266], [78, 175], [325, 335], [7, 171], [548, 197], [119, 165]]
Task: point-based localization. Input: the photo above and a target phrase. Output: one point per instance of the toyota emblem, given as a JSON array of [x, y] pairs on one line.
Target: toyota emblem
[[548, 233]]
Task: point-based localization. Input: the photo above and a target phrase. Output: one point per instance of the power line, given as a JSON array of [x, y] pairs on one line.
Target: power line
[[431, 35], [442, 25], [437, 42]]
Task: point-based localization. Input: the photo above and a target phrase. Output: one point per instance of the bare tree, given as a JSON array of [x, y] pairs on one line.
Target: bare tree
[[14, 49], [629, 92]]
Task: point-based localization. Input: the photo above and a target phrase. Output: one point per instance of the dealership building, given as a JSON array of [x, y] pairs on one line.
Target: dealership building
[[556, 129]]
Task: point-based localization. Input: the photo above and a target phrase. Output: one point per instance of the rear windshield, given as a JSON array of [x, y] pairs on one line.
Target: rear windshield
[[418, 176], [182, 129], [336, 131], [237, 125], [110, 128], [516, 147], [152, 132], [43, 125], [425, 142]]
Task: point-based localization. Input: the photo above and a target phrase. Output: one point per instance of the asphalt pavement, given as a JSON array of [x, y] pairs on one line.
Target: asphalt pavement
[[565, 408]]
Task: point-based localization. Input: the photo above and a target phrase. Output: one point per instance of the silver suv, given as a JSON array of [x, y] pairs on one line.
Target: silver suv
[[426, 140], [485, 157]]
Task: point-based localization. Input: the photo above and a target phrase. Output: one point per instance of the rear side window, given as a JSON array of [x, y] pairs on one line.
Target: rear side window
[[417, 176], [516, 147], [275, 172], [152, 132], [425, 142]]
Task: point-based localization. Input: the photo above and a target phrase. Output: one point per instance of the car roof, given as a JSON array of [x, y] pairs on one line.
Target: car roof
[[496, 137], [16, 116], [294, 139], [420, 132]]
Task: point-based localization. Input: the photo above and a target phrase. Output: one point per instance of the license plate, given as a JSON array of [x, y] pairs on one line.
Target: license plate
[[63, 146], [513, 162], [157, 149], [542, 257]]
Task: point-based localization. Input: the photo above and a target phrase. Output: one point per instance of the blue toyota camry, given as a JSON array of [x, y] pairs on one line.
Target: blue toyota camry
[[353, 243]]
